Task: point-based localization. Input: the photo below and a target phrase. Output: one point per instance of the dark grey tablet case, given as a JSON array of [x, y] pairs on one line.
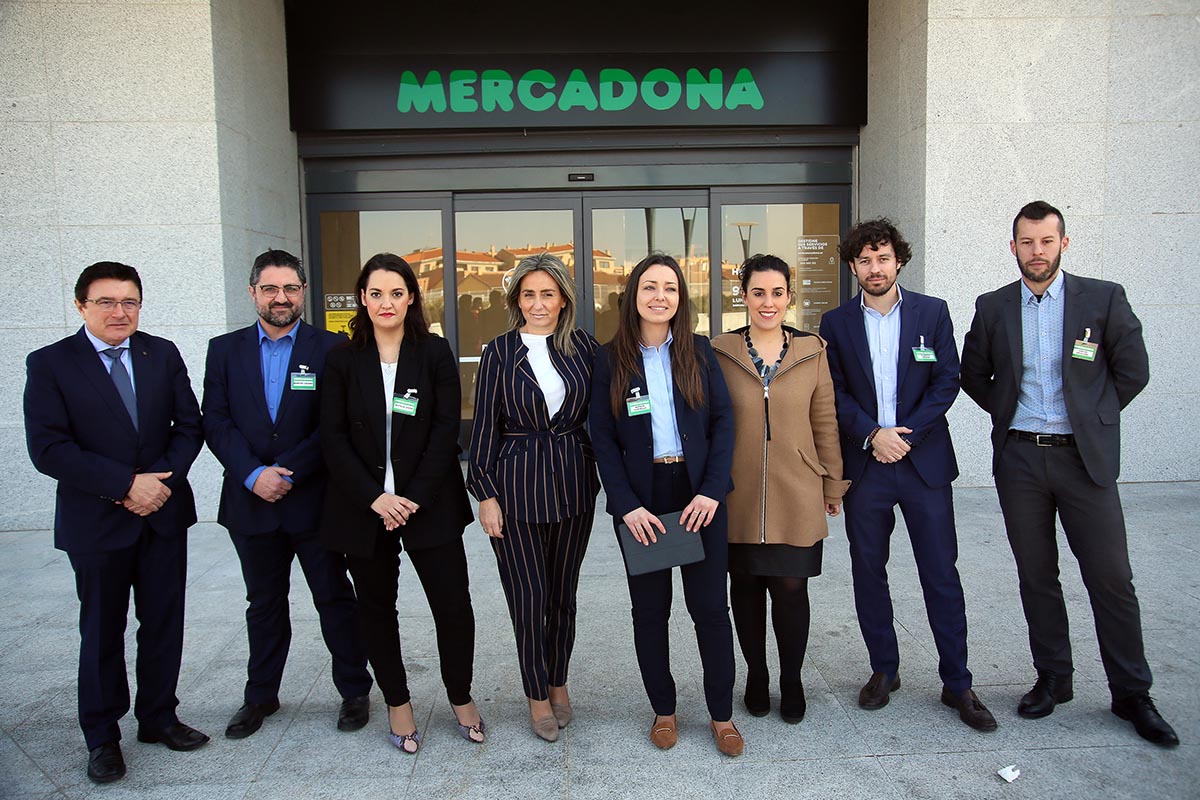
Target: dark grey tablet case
[[674, 548]]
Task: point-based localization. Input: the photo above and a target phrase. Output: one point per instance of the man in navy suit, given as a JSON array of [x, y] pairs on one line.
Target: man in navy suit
[[110, 415], [895, 374], [261, 414]]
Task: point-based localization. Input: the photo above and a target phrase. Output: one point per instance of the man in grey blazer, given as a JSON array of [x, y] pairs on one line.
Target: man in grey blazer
[[1053, 358]]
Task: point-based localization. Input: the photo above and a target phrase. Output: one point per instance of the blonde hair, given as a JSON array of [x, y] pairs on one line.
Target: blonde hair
[[553, 267]]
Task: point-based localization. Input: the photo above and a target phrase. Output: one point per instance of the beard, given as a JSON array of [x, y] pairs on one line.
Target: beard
[[878, 291], [279, 315], [1045, 274]]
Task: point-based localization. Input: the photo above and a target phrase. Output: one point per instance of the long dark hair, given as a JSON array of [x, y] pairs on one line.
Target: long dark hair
[[362, 333], [624, 348]]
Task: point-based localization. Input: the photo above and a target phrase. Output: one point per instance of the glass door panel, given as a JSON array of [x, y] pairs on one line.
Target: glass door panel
[[349, 239], [621, 237], [805, 235], [488, 246]]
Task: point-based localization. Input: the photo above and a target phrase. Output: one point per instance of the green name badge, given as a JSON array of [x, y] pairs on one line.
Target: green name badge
[[303, 382], [638, 406], [1084, 351], [404, 405], [924, 354]]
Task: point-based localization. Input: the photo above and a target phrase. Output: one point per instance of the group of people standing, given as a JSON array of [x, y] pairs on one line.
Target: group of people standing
[[345, 455]]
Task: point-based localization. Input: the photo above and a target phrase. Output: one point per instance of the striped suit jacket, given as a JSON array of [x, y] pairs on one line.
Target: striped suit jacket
[[541, 469]]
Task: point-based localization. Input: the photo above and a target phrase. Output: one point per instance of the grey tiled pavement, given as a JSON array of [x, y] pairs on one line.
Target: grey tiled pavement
[[914, 748]]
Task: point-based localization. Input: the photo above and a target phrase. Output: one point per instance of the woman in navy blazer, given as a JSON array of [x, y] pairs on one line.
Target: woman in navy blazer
[[534, 475], [389, 433], [677, 457]]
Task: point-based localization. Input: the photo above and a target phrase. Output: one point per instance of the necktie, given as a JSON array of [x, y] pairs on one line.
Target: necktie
[[120, 377]]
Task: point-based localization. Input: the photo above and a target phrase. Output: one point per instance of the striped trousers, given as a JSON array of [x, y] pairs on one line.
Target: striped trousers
[[539, 569]]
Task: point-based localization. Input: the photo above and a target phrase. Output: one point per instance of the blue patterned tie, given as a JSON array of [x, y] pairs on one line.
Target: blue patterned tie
[[120, 377]]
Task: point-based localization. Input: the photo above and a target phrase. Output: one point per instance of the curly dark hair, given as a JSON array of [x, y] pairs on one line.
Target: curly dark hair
[[873, 233]]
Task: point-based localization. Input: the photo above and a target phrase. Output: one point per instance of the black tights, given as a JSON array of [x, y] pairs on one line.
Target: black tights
[[789, 613]]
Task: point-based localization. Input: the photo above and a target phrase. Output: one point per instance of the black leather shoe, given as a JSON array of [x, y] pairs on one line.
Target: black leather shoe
[[758, 694], [970, 709], [877, 692], [1049, 690], [176, 736], [354, 713], [792, 705], [249, 718], [1146, 720], [105, 763]]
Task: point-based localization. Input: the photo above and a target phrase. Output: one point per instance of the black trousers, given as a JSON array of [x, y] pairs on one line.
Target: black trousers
[[442, 571], [155, 568], [539, 569], [266, 560], [1033, 483], [706, 597]]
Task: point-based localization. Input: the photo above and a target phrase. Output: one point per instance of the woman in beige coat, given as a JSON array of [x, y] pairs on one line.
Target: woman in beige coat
[[787, 474]]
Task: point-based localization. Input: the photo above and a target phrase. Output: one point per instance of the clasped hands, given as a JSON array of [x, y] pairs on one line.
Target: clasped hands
[[888, 445], [394, 510], [270, 484], [695, 516], [147, 493]]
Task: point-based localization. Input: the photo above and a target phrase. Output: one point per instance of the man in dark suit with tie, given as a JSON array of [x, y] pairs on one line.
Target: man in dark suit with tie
[[894, 365], [110, 415], [1054, 358], [261, 415]]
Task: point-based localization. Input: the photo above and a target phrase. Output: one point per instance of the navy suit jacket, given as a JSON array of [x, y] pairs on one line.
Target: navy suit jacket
[[541, 469], [239, 430], [424, 448], [1095, 391], [79, 433], [625, 445], [924, 390]]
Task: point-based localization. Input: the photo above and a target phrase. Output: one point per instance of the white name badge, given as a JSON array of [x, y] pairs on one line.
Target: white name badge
[[404, 405], [303, 382], [638, 406], [924, 354]]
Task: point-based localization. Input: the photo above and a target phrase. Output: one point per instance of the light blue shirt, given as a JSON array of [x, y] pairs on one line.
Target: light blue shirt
[[274, 356], [656, 361], [1041, 407], [108, 362], [883, 340]]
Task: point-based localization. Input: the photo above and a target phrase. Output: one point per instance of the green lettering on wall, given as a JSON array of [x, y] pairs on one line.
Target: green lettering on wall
[[710, 89], [610, 81], [417, 96], [495, 90], [577, 93], [744, 92], [672, 89], [525, 86], [462, 91]]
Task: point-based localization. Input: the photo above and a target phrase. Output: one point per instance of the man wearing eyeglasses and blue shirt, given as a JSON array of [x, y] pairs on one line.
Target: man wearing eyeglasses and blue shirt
[[110, 415], [261, 390]]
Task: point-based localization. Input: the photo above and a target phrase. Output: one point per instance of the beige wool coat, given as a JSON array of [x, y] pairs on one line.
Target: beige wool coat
[[782, 485]]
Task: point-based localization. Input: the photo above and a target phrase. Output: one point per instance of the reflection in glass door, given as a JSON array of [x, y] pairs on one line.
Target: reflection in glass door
[[622, 237], [805, 235]]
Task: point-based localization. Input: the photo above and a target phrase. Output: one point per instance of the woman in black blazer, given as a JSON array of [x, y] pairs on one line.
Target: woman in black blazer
[[389, 432], [675, 456], [534, 475]]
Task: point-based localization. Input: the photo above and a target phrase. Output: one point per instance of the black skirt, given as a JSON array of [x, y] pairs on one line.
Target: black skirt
[[775, 560]]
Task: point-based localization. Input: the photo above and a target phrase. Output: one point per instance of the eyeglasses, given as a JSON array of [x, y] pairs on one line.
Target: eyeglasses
[[108, 306], [291, 290]]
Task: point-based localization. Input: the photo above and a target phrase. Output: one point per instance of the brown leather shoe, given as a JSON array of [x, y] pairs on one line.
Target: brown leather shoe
[[729, 741], [970, 709], [875, 694], [664, 733]]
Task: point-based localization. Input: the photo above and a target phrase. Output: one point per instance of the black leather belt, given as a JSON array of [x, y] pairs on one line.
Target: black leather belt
[[1045, 439]]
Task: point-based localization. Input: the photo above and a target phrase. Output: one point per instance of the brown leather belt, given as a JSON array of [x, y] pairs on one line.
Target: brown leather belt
[[1045, 439], [669, 460]]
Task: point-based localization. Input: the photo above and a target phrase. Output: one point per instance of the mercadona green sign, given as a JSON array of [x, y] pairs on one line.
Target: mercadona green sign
[[467, 91]]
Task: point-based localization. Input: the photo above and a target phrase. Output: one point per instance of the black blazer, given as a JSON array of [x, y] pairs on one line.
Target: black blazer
[[540, 469], [1095, 391], [424, 447], [79, 433], [240, 433], [925, 390], [625, 445]]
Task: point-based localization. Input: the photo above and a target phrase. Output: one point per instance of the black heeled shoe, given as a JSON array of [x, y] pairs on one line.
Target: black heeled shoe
[[758, 694], [792, 704]]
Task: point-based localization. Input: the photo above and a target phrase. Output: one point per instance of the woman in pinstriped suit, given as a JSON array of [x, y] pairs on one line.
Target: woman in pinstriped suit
[[534, 474]]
